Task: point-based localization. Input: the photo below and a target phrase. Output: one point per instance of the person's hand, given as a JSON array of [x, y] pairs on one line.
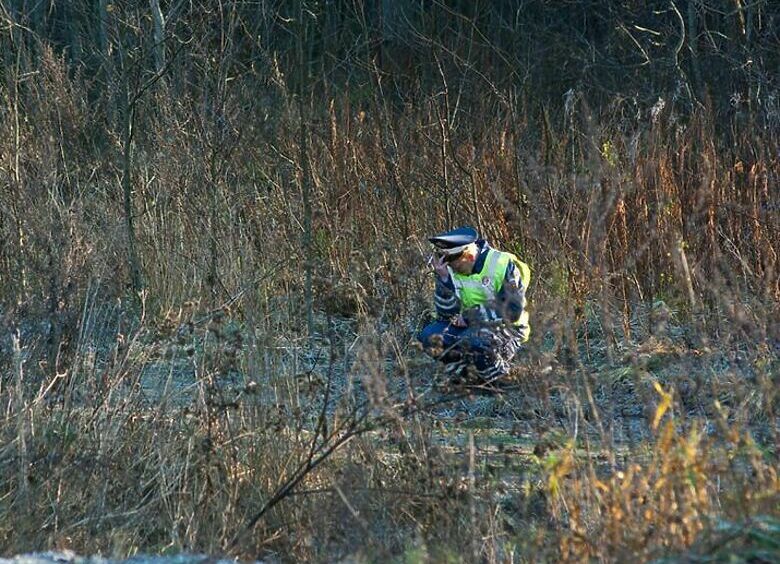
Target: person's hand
[[472, 315], [440, 267], [458, 321]]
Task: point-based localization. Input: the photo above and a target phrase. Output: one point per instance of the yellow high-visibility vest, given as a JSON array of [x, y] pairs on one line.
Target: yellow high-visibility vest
[[481, 288]]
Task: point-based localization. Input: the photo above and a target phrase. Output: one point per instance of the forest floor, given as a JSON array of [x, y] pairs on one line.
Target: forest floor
[[623, 386], [603, 407]]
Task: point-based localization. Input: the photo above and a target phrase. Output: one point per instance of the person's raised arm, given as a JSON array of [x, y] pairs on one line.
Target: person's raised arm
[[445, 299]]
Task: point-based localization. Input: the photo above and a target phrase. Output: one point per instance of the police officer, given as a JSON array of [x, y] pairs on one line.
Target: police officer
[[480, 303]]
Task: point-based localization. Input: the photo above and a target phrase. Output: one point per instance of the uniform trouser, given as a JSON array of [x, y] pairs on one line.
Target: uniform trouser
[[489, 350]]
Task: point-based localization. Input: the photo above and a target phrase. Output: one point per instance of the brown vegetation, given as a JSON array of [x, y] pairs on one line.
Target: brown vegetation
[[212, 265]]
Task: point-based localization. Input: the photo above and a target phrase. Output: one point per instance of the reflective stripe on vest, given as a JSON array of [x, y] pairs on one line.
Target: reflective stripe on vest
[[469, 287], [478, 289]]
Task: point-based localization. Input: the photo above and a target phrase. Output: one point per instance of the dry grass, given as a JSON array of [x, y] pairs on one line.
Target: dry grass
[[201, 417]]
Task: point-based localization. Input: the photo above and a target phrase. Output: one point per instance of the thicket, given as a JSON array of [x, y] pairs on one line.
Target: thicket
[[226, 184]]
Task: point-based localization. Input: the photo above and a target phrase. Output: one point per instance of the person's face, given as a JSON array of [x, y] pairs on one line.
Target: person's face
[[463, 263], [448, 259]]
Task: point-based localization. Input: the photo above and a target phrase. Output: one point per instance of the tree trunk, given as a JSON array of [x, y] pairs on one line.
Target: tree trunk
[[698, 86], [305, 169], [127, 111], [159, 36]]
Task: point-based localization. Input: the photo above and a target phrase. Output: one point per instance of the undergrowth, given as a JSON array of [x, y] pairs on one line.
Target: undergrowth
[[208, 325]]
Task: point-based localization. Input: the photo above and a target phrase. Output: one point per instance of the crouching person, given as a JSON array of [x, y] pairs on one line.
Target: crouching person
[[480, 304]]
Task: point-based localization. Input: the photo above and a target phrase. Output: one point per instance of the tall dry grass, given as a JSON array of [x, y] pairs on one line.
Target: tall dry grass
[[200, 416]]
